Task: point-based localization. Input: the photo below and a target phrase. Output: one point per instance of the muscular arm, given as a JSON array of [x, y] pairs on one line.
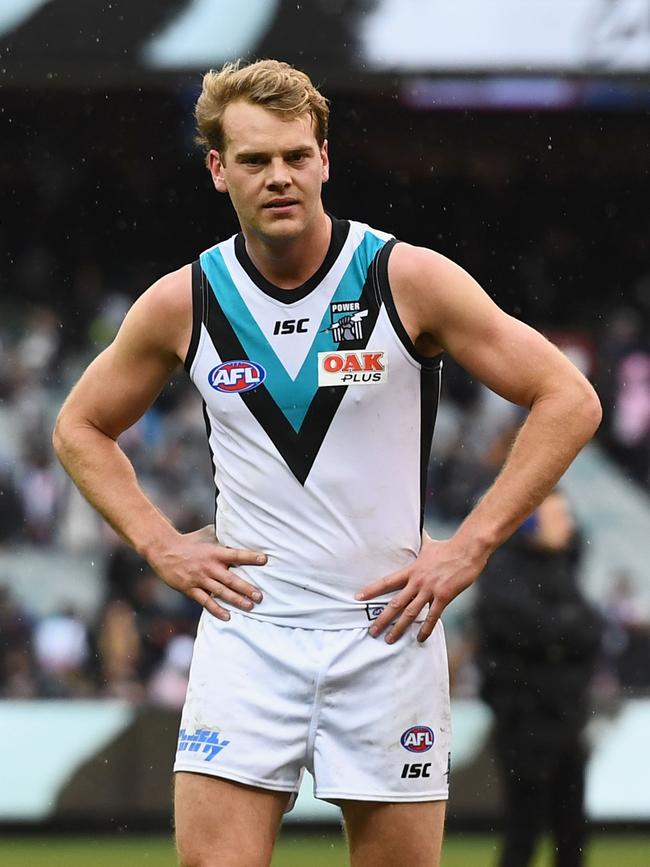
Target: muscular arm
[[113, 393], [515, 361], [442, 307]]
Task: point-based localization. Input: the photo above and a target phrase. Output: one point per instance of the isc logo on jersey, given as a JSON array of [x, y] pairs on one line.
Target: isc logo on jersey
[[352, 368], [235, 377], [417, 739]]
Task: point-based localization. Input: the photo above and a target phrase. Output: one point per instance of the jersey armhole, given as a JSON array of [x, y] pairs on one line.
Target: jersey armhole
[[383, 290], [199, 308]]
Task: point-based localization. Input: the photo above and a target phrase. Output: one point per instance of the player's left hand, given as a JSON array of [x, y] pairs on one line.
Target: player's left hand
[[441, 571]]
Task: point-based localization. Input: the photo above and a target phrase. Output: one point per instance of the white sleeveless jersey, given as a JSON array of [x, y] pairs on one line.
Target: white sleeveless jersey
[[319, 414]]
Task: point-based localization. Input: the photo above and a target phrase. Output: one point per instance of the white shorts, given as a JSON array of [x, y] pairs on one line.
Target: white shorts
[[371, 721]]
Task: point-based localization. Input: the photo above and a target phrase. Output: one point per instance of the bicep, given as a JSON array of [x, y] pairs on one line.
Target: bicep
[[508, 356], [117, 389]]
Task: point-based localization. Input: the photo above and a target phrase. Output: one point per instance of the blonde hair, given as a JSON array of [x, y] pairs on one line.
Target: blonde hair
[[274, 85]]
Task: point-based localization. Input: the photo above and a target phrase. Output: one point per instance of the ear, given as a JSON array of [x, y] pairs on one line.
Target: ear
[[325, 173], [216, 166]]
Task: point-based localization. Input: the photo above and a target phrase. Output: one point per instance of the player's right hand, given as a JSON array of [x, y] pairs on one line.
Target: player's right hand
[[198, 566]]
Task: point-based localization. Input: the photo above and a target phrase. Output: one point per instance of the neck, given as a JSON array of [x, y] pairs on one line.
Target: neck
[[290, 262]]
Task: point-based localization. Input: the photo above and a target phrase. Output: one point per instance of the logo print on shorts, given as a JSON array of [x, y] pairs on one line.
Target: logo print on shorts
[[417, 739], [373, 610], [235, 377], [202, 740]]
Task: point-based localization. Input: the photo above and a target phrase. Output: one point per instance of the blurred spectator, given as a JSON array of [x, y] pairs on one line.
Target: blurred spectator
[[478, 454], [40, 343], [627, 636], [61, 649], [118, 644], [538, 640], [631, 415], [154, 625], [17, 677], [41, 488], [11, 507], [168, 686]]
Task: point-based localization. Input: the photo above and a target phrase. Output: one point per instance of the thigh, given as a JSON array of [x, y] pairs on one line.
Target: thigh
[[247, 711], [394, 834], [384, 726], [220, 823]]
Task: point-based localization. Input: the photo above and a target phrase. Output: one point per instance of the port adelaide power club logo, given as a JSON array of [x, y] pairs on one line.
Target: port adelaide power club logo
[[351, 367], [346, 319]]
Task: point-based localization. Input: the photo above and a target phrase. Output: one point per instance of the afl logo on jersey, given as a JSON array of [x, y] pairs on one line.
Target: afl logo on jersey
[[417, 739], [236, 377]]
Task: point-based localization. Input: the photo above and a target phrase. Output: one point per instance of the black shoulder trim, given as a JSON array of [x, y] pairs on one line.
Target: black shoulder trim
[[199, 308], [430, 381], [340, 231], [383, 286], [208, 431]]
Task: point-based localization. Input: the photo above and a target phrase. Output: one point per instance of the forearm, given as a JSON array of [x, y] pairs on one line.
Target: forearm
[[106, 478], [557, 428]]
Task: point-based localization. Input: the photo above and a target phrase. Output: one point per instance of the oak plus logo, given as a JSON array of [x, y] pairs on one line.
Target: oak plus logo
[[236, 377], [351, 368]]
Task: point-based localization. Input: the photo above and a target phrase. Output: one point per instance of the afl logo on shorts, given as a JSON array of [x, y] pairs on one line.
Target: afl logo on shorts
[[417, 739], [235, 377]]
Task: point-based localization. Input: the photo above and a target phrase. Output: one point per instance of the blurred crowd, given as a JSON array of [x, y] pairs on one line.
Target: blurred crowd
[[117, 196]]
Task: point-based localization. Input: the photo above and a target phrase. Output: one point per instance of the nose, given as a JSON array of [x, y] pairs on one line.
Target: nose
[[278, 176]]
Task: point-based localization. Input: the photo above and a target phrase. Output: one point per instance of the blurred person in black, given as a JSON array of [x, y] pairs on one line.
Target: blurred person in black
[[538, 639]]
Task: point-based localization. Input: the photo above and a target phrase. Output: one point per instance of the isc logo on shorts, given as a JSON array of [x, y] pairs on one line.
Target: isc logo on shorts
[[235, 377], [351, 368], [417, 739]]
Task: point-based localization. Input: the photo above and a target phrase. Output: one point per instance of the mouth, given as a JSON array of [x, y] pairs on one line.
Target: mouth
[[280, 204]]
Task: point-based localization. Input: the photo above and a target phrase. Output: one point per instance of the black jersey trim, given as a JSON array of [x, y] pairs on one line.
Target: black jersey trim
[[208, 431], [298, 448], [430, 381], [387, 297], [198, 314], [340, 231]]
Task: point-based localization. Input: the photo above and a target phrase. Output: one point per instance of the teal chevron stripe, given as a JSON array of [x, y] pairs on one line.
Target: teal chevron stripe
[[293, 397]]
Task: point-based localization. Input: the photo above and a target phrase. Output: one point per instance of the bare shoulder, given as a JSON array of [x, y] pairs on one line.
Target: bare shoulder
[[408, 263], [421, 276], [441, 303], [162, 316], [428, 289]]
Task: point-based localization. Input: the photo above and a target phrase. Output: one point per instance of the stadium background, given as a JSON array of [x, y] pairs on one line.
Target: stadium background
[[514, 141]]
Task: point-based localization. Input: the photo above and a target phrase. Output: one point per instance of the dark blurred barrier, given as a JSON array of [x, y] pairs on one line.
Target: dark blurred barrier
[[106, 764], [130, 780]]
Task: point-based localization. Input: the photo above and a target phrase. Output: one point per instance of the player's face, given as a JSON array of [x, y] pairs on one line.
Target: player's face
[[273, 169]]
